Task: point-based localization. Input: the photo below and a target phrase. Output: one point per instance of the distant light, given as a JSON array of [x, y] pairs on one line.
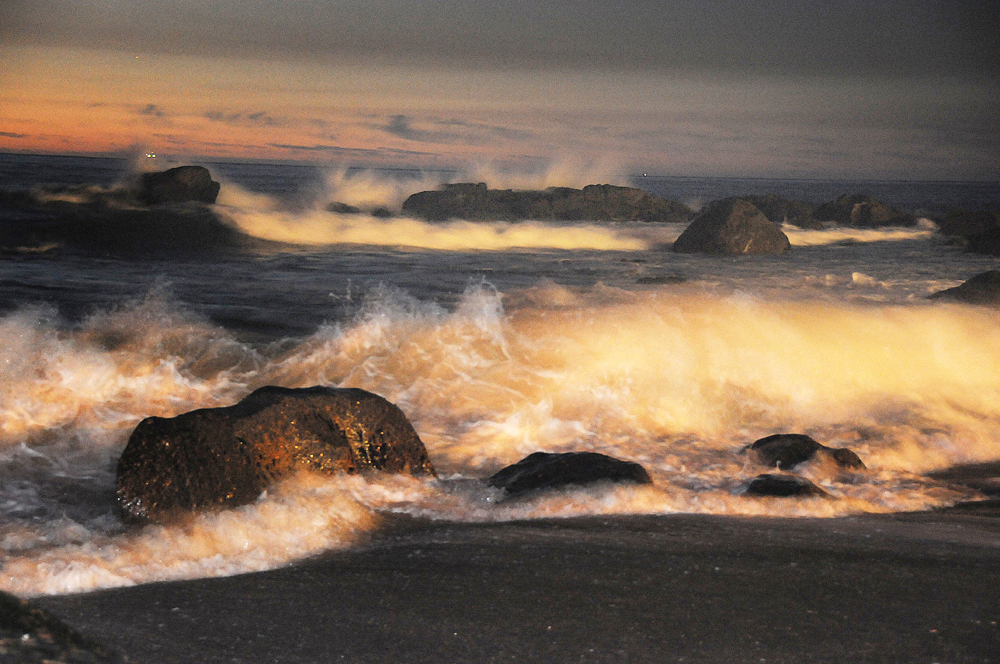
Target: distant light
[[151, 155]]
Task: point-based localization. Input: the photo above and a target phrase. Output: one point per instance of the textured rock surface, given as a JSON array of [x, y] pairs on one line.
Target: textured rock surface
[[596, 202], [983, 288], [788, 450], [178, 185], [862, 211], [782, 486], [224, 457], [543, 470], [732, 226]]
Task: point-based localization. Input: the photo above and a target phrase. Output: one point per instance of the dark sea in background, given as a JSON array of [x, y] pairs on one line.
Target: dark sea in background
[[497, 340]]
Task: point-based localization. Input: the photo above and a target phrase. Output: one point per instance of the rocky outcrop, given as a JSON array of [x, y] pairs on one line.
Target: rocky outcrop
[[968, 223], [178, 185], [983, 289], [788, 450], [224, 457], [782, 486], [786, 211], [862, 211], [732, 226], [543, 470], [596, 202]]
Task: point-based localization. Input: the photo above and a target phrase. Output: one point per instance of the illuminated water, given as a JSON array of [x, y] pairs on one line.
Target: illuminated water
[[497, 340]]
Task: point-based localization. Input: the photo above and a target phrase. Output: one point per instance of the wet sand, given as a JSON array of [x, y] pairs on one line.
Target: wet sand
[[680, 588]]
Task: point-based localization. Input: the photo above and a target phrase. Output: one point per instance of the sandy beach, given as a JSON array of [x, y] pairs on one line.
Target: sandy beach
[[918, 587]]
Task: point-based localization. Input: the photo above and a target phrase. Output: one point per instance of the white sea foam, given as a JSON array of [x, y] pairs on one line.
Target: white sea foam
[[678, 379]]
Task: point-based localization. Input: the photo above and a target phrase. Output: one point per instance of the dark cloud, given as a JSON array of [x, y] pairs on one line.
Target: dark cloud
[[153, 111], [10, 134], [252, 118], [855, 37], [335, 151], [449, 131]]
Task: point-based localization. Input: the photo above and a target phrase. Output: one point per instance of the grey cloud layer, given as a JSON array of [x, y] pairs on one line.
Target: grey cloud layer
[[856, 37]]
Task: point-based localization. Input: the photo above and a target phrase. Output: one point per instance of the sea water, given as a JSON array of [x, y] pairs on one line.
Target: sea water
[[497, 340]]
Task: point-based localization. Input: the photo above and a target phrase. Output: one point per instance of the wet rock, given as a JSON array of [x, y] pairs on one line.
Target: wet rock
[[788, 450], [968, 223], [178, 185], [31, 634], [225, 457], [786, 211], [862, 211], [596, 202], [732, 226], [544, 470], [782, 486], [983, 289]]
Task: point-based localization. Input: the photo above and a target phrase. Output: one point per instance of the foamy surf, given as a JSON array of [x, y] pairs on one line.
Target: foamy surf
[[676, 379]]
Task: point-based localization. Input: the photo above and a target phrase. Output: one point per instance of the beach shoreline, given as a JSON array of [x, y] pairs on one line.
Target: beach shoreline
[[696, 588]]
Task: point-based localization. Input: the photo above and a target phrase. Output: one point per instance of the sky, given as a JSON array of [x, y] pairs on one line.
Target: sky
[[814, 88]]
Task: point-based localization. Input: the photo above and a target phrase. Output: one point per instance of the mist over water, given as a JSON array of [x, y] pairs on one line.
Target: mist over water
[[496, 340]]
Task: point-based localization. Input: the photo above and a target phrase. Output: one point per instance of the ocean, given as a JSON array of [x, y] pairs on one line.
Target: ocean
[[497, 340]]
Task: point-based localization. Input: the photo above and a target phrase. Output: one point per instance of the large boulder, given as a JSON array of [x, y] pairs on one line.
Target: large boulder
[[178, 185], [862, 211], [732, 226], [224, 457], [782, 486], [544, 470], [788, 450], [983, 288], [786, 211], [596, 202]]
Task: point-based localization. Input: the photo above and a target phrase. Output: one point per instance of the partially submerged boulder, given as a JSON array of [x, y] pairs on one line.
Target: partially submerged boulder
[[178, 185], [544, 470], [225, 457], [782, 486], [983, 289], [596, 202], [862, 211], [786, 211], [732, 226], [788, 450]]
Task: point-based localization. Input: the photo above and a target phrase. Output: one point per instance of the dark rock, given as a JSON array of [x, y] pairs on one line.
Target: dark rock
[[968, 223], [543, 470], [732, 226], [782, 486], [862, 211], [178, 185], [225, 457], [786, 211], [983, 288], [596, 202], [788, 450], [31, 634]]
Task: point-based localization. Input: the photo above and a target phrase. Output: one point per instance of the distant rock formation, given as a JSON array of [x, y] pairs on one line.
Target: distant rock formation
[[225, 457], [786, 211], [732, 226], [862, 211], [543, 470], [982, 289], [782, 486], [596, 202], [788, 450], [968, 223], [178, 185]]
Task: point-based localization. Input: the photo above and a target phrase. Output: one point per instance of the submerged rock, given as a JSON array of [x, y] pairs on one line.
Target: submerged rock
[[178, 185], [862, 211], [225, 457], [782, 486], [544, 470], [983, 288], [732, 226], [788, 450], [596, 202]]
